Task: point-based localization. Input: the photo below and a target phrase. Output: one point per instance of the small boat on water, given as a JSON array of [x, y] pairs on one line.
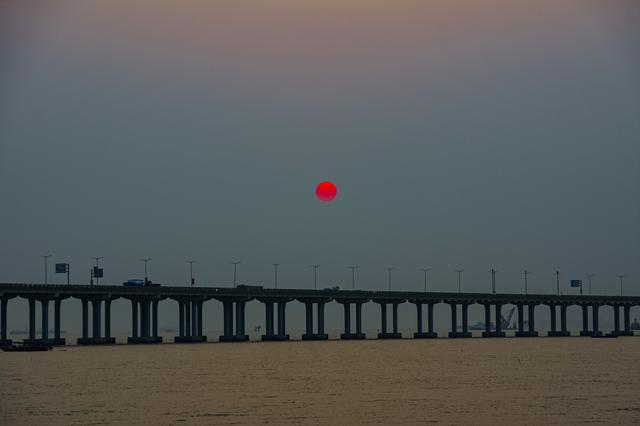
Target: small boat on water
[[26, 347]]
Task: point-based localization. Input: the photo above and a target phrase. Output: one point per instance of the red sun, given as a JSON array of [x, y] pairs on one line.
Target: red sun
[[326, 191]]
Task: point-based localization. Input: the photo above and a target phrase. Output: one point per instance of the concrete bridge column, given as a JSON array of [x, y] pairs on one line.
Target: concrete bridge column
[[85, 319], [282, 333], [107, 322], [347, 318], [520, 317], [487, 320], [627, 320], [32, 319], [554, 331], [348, 335], [154, 318], [240, 329], [563, 320], [268, 309], [134, 318], [200, 304], [187, 318], [227, 318], [585, 321], [521, 329], [309, 317], [359, 320], [383, 318], [3, 322], [321, 319], [195, 332], [499, 332], [454, 321], [465, 319], [596, 326], [180, 318], [616, 319], [44, 303], [431, 333], [310, 335], [96, 313], [146, 319], [418, 319], [532, 321], [56, 320]]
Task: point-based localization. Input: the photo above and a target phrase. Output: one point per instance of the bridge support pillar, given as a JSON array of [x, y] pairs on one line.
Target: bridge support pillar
[[498, 321], [626, 316], [148, 321], [454, 333], [585, 321], [3, 322], [96, 323], [228, 311], [44, 303], [394, 321], [420, 334], [107, 322], [309, 334], [595, 308], [348, 335], [189, 321], [32, 319], [530, 322]]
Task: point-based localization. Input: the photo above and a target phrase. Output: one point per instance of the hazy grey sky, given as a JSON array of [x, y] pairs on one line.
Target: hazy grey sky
[[470, 135]]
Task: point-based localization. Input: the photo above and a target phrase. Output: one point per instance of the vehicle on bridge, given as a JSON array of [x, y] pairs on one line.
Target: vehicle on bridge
[[139, 283]]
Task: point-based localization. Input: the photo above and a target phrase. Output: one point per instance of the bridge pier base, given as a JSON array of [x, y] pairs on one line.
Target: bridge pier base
[[148, 321], [310, 335], [271, 335], [454, 333], [97, 338], [348, 335], [190, 320], [227, 314], [384, 334]]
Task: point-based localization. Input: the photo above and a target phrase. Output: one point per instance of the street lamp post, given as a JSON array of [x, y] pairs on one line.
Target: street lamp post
[[557, 282], [146, 260], [621, 277], [425, 270], [493, 280], [590, 276], [46, 258], [389, 269], [526, 274], [235, 272], [315, 276], [353, 275], [459, 271], [191, 262], [275, 274]]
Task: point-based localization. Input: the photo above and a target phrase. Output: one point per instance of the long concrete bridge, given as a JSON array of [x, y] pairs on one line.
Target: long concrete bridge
[[145, 300]]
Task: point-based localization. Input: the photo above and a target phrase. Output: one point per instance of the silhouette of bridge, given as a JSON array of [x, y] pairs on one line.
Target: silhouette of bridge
[[145, 300]]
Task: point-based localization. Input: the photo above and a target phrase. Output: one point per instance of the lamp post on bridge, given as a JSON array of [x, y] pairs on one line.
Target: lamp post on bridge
[[315, 276], [390, 269], [46, 258], [146, 260], [621, 277], [191, 262], [459, 271], [275, 274], [353, 276], [425, 270], [526, 274], [493, 280], [235, 272], [590, 276], [557, 282]]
